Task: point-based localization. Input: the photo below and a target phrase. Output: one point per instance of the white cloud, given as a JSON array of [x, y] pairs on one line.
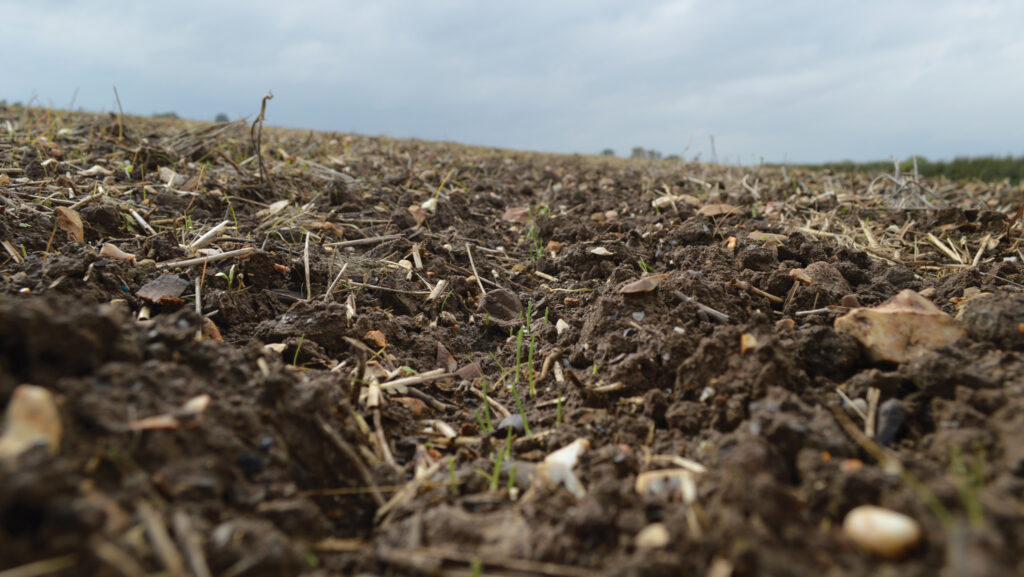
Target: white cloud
[[802, 80]]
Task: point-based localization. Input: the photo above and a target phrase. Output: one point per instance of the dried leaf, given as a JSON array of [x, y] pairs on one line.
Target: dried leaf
[[519, 214], [601, 251], [643, 285], [71, 222], [273, 209], [95, 170], [470, 371], [418, 214], [445, 360], [800, 275], [210, 331], [111, 251], [376, 338], [32, 419], [897, 329], [712, 210], [164, 289]]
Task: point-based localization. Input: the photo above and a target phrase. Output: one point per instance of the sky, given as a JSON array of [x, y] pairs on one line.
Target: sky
[[772, 81]]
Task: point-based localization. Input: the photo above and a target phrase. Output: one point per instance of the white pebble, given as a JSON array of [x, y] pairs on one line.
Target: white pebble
[[883, 532]]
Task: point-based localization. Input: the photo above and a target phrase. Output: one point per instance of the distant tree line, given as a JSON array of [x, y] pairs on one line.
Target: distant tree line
[[985, 168]]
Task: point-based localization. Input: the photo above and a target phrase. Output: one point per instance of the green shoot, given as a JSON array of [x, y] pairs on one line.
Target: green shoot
[[479, 421], [522, 412], [529, 365], [454, 484], [644, 267], [558, 411], [298, 349], [519, 349], [969, 482], [487, 408]]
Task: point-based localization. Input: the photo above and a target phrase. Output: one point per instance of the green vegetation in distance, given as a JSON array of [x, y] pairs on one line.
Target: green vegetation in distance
[[984, 168]]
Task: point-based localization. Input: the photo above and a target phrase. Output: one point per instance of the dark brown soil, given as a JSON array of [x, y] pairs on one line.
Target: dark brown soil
[[309, 461]]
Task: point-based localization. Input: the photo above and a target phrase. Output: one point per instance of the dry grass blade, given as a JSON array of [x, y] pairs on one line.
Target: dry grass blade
[[163, 545], [40, 568], [353, 457], [205, 259], [256, 134], [945, 249], [432, 561]]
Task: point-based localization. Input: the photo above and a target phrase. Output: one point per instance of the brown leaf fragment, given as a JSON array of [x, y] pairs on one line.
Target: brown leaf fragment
[[553, 246], [502, 308], [470, 372], [418, 214], [111, 251], [445, 360], [156, 423], [210, 331], [70, 222], [519, 214], [644, 285], [418, 408], [800, 275], [165, 289], [897, 329], [747, 343], [711, 210], [376, 338], [32, 419], [767, 237]]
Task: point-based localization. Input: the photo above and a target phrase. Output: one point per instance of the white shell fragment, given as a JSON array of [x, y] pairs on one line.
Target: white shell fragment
[[883, 532], [897, 329], [653, 536], [674, 484], [32, 419], [601, 251], [556, 469], [111, 251], [561, 326]]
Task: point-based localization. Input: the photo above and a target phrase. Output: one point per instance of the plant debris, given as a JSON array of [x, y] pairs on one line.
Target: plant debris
[[328, 354]]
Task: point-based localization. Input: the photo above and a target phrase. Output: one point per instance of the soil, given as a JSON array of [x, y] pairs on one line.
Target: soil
[[489, 281]]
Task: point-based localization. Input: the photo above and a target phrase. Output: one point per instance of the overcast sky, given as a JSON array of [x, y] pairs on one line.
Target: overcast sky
[[797, 81]]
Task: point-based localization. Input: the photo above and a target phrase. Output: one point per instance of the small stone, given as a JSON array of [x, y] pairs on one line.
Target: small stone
[[891, 416], [883, 532], [653, 536]]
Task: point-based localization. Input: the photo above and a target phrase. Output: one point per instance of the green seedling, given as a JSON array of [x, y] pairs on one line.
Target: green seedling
[[522, 412], [558, 411], [231, 276], [969, 482], [453, 481], [487, 408], [644, 267], [295, 359]]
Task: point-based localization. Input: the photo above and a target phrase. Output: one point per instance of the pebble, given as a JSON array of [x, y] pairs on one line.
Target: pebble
[[881, 531]]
